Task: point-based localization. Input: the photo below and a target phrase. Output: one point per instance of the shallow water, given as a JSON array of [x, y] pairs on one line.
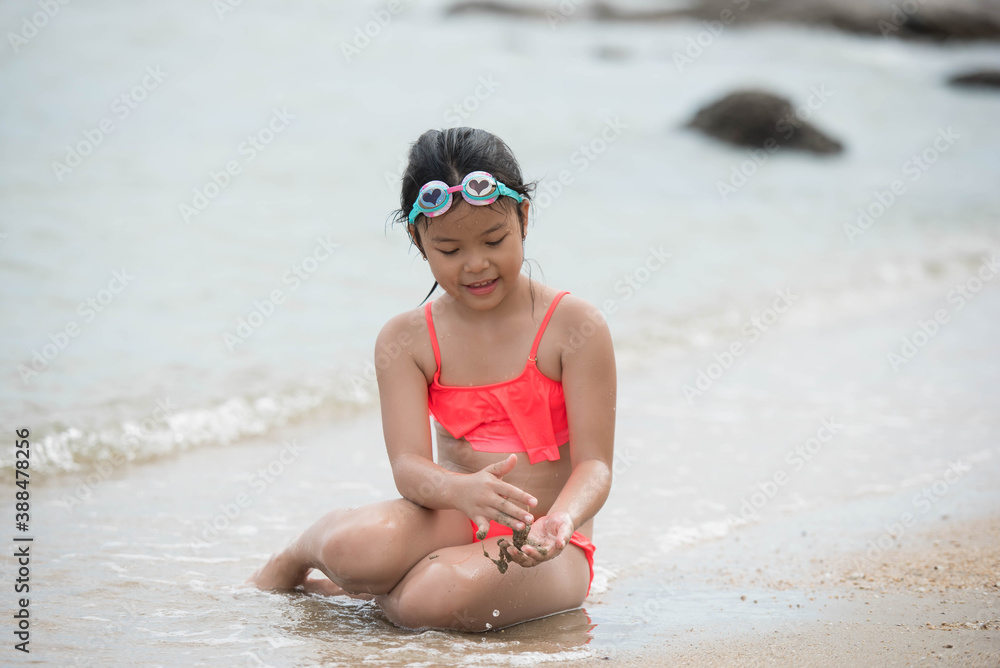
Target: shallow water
[[147, 427]]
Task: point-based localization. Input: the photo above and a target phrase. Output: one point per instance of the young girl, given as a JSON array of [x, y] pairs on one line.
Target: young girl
[[520, 379]]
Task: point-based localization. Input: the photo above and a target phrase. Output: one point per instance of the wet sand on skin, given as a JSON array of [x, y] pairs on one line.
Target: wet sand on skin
[[933, 597]]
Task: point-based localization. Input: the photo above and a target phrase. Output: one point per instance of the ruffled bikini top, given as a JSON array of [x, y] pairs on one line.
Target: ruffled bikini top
[[524, 414]]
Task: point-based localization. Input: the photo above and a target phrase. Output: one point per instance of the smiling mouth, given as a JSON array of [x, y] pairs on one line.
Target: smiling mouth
[[481, 284]]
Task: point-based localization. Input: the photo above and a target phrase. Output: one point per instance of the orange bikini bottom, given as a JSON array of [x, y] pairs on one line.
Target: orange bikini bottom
[[578, 539]]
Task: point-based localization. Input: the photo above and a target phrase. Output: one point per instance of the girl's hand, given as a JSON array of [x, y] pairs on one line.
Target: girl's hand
[[484, 496], [547, 538]]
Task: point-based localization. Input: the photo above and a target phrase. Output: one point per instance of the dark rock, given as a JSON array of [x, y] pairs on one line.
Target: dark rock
[[941, 24], [936, 20], [927, 20], [608, 52], [761, 120], [603, 11], [982, 78], [501, 8]]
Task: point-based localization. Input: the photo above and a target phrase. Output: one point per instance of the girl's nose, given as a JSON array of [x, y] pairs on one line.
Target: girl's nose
[[476, 263]]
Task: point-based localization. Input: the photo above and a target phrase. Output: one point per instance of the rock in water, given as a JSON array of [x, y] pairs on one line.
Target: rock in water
[[937, 20], [499, 8], [983, 78], [762, 120]]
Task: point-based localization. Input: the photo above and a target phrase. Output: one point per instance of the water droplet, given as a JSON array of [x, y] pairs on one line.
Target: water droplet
[[489, 626], [496, 613]]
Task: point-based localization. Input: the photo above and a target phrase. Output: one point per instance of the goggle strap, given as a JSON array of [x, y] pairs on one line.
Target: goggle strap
[[504, 190]]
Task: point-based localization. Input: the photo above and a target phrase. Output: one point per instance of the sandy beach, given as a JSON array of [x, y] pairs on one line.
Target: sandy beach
[[807, 457], [933, 597], [853, 560]]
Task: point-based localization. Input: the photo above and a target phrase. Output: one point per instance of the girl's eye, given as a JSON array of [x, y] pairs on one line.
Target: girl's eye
[[496, 243], [451, 252]]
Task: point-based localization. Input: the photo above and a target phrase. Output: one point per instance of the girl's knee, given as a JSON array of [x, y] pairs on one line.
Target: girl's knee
[[440, 596], [435, 598], [354, 552]]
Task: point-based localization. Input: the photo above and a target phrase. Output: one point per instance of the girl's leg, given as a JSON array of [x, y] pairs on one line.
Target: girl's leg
[[364, 550], [458, 588]]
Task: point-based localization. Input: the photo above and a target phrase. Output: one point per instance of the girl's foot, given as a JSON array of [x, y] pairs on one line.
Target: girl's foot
[[324, 586], [280, 572]]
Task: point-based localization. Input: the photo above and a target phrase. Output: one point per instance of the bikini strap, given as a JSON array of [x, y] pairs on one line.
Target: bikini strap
[[533, 356], [434, 338]]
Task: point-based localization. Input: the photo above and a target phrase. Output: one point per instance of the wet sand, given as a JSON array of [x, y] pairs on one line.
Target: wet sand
[[934, 596]]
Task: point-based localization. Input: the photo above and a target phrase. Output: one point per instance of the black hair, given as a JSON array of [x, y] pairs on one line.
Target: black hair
[[448, 155]]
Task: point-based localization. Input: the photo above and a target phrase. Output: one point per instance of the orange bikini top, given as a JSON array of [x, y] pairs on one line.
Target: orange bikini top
[[524, 414]]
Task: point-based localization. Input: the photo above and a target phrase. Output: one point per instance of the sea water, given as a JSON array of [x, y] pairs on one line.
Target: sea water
[[196, 259]]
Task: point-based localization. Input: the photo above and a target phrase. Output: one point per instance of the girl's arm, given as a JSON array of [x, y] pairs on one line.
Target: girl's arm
[[482, 496], [590, 386]]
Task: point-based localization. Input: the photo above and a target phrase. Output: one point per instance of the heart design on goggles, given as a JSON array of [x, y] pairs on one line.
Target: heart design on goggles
[[477, 188], [480, 186], [433, 197]]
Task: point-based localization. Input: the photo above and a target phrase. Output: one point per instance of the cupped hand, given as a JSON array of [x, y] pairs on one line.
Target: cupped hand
[[484, 496], [547, 538]]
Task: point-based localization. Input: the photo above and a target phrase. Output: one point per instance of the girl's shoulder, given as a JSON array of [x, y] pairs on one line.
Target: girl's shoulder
[[571, 310], [406, 337], [575, 320], [577, 335], [403, 328]]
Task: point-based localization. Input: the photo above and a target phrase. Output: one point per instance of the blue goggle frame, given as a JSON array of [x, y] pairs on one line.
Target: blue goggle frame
[[477, 188]]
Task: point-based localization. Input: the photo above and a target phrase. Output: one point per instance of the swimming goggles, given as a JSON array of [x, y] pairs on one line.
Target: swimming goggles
[[478, 189]]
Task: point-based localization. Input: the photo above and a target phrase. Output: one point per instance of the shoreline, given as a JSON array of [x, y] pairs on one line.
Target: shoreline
[[934, 595]]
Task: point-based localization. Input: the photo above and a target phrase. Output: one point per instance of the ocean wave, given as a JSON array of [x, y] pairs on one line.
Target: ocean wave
[[822, 293], [528, 658], [678, 536], [169, 430]]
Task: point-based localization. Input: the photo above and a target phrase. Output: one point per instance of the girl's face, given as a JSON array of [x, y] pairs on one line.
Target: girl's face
[[475, 252]]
